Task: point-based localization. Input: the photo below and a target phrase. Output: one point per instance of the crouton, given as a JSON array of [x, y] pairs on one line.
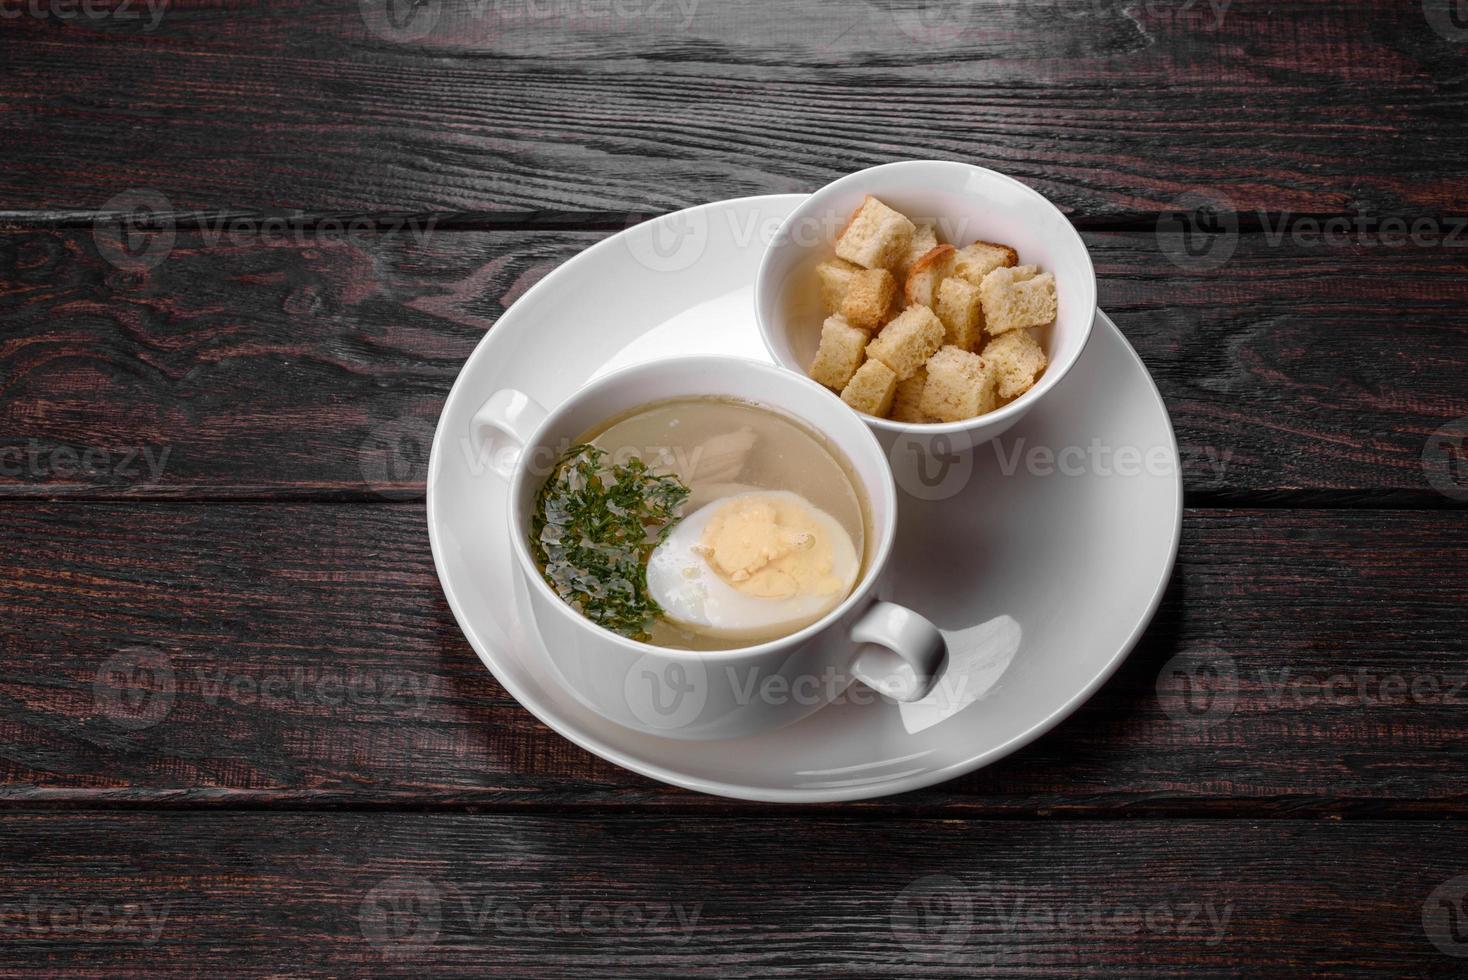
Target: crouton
[[981, 258], [869, 299], [836, 278], [1017, 297], [908, 341], [841, 352], [1017, 360], [907, 402], [961, 311], [871, 389], [876, 237], [924, 240], [927, 272], [960, 386]]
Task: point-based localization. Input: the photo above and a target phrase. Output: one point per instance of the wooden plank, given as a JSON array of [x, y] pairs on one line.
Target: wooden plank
[[660, 896], [266, 617], [1112, 108], [317, 365]]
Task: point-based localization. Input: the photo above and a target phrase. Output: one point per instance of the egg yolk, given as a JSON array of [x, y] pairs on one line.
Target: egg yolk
[[769, 548]]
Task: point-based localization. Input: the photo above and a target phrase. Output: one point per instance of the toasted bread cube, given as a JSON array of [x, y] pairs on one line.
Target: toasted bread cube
[[924, 240], [981, 258], [1017, 360], [908, 341], [877, 237], [869, 299], [960, 386], [836, 278], [961, 311], [927, 272], [871, 389], [907, 402], [1017, 297], [843, 348]]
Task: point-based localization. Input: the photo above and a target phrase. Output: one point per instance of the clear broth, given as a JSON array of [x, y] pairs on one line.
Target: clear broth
[[674, 437]]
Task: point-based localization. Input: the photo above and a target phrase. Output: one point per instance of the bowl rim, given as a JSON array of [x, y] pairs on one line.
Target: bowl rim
[[1053, 375]]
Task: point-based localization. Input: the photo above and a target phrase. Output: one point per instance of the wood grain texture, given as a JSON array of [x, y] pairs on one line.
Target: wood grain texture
[[316, 364], [313, 662], [313, 894], [1111, 107]]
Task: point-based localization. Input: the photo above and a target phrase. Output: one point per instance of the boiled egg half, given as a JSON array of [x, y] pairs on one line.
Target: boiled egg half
[[753, 566]]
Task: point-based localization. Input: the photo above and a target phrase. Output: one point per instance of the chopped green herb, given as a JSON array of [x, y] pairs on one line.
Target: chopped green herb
[[595, 528]]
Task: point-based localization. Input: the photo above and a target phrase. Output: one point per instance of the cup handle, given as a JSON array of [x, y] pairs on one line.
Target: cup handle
[[502, 428], [901, 653]]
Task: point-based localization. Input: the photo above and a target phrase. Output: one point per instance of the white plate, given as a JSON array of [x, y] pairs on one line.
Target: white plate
[[1043, 555]]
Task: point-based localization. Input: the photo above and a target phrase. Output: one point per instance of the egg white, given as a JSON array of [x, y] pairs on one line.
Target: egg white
[[694, 597]]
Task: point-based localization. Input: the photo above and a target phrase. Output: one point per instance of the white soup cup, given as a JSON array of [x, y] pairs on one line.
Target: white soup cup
[[724, 694]]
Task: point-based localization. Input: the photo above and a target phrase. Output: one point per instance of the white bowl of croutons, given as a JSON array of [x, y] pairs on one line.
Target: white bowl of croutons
[[936, 298]]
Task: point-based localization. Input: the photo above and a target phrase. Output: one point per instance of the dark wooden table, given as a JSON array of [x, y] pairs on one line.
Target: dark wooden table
[[240, 729]]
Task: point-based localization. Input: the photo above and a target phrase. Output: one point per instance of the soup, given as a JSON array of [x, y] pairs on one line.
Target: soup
[[701, 524]]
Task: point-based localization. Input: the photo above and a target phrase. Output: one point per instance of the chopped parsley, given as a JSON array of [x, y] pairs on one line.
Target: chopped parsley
[[595, 528]]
